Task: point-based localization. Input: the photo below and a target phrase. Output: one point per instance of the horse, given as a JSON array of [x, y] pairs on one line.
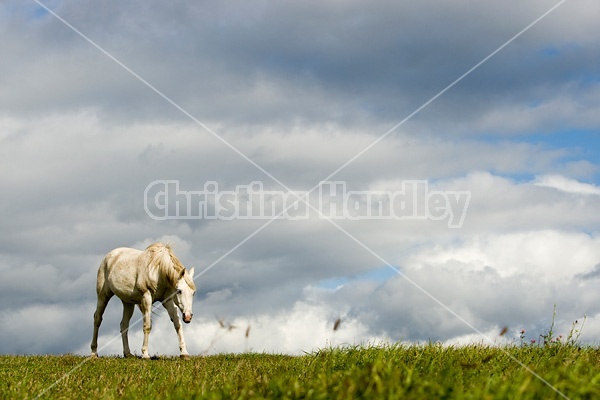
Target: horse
[[142, 278]]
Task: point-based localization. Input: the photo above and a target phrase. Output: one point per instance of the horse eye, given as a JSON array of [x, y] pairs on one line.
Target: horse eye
[[178, 291]]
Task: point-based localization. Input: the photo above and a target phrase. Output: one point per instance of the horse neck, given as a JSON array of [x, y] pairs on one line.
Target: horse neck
[[161, 273], [163, 288]]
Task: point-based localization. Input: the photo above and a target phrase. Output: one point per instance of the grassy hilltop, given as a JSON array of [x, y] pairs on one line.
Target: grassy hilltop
[[409, 372]]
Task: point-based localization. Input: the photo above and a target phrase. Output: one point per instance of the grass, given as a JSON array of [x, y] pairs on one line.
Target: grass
[[408, 372]]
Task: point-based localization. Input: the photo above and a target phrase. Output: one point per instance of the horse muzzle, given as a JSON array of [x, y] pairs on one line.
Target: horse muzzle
[[187, 318]]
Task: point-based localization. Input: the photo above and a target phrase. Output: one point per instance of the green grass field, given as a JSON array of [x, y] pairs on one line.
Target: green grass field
[[427, 371]]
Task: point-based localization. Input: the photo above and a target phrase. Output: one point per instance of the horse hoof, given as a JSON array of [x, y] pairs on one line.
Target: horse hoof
[[185, 356]]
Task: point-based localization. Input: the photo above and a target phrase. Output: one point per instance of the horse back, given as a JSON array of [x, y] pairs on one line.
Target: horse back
[[118, 274]]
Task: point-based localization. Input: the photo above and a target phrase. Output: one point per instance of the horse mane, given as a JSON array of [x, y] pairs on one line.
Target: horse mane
[[162, 260]]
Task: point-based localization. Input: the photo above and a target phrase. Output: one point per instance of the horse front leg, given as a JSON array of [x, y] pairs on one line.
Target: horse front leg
[[172, 310], [128, 309], [146, 307]]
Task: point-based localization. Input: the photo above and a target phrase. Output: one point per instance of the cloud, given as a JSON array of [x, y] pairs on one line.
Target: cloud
[[61, 230], [492, 281], [567, 185], [42, 328], [313, 62], [300, 89], [593, 274], [304, 327]]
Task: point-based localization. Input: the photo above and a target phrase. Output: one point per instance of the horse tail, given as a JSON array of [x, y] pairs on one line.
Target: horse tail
[[102, 272]]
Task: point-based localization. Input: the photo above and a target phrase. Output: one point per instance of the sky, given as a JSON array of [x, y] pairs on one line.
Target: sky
[[377, 95]]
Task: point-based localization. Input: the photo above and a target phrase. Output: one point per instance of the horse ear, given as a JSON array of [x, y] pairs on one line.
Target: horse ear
[[182, 274], [191, 272]]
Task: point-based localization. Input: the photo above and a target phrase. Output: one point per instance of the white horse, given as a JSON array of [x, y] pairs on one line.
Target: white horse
[[142, 278]]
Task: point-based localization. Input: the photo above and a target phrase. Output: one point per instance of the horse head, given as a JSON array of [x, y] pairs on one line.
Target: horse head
[[184, 294]]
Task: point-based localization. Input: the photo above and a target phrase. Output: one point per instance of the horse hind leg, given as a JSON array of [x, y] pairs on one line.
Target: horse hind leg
[[100, 307], [128, 309]]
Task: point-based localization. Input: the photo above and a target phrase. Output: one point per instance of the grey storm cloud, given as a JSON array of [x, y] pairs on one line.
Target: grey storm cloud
[[593, 274], [299, 88], [240, 63]]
